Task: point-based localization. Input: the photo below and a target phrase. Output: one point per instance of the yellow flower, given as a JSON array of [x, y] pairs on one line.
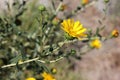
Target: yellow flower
[[47, 76], [115, 33], [84, 2], [20, 61], [54, 70], [30, 78], [74, 29], [95, 43]]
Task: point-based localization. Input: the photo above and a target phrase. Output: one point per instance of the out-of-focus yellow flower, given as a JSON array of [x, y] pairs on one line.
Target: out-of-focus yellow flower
[[115, 33], [47, 76], [95, 43], [20, 61], [74, 29], [53, 70], [84, 2], [30, 78]]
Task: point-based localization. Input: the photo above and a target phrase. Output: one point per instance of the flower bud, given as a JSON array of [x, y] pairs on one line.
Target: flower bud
[[106, 1], [54, 70], [84, 2], [55, 21], [42, 8], [115, 33], [63, 7]]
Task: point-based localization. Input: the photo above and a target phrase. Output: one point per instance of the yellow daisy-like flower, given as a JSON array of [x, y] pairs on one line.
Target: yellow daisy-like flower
[[47, 76], [74, 29], [30, 78], [84, 2], [115, 33], [95, 43]]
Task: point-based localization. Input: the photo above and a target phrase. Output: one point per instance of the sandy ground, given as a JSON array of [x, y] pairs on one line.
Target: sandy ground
[[104, 63]]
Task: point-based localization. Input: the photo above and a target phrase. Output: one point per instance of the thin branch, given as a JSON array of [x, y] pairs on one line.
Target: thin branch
[[58, 8], [91, 3], [14, 64], [31, 60], [52, 61]]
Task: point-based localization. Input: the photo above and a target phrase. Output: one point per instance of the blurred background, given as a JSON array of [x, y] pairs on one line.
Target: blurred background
[[97, 64]]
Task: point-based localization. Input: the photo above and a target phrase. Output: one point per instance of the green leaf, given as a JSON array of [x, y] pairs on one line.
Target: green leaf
[[16, 59]]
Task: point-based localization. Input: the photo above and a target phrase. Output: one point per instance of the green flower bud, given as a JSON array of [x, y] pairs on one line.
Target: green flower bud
[[73, 51], [106, 1], [42, 8], [54, 70], [55, 21]]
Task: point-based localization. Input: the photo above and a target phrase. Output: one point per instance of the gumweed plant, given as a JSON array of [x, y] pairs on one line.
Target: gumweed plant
[[29, 40]]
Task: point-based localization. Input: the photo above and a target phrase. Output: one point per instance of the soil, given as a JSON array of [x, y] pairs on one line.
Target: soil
[[103, 63]]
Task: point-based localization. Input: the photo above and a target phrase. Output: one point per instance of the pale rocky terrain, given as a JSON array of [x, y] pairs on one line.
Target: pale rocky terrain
[[104, 63]]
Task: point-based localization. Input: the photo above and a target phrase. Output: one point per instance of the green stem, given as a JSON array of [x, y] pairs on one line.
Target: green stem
[[31, 60], [58, 8]]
